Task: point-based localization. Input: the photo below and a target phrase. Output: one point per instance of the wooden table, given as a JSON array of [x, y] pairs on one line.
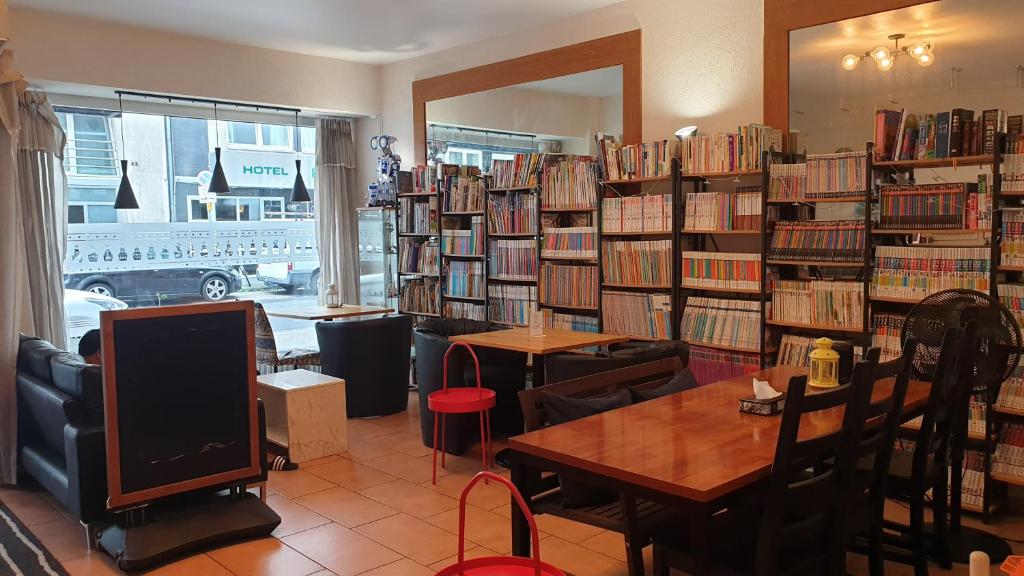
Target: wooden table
[[691, 450], [305, 413], [325, 313], [519, 340]]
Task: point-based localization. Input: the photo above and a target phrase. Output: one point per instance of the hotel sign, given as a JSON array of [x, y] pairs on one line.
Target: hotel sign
[[259, 169]]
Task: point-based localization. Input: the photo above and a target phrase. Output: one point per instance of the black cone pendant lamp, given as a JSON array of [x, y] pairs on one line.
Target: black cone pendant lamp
[[125, 199], [219, 182], [299, 191]]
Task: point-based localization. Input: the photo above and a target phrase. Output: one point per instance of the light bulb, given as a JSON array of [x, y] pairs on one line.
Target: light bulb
[[885, 64], [926, 59], [881, 53], [850, 61]]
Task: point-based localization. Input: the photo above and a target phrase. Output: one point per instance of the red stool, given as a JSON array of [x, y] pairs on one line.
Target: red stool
[[462, 400]]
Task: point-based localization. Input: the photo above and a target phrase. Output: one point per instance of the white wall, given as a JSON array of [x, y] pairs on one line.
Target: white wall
[[72, 49], [516, 110], [702, 62]]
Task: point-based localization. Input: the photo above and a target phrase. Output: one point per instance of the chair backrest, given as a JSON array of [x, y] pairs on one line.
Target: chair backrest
[[266, 346], [801, 522], [642, 376]]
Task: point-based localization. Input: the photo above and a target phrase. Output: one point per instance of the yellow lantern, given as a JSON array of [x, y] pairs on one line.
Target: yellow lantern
[[824, 365]]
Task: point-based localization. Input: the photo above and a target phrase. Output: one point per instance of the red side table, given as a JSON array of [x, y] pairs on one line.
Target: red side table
[[462, 400]]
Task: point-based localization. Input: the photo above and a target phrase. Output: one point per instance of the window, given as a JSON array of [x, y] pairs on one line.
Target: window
[[248, 134], [276, 135], [91, 205], [465, 157], [242, 133], [90, 148], [307, 139], [236, 209]]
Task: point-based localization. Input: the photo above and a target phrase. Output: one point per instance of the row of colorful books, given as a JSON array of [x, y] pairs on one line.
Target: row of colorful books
[[822, 240], [464, 242], [730, 270], [519, 172], [632, 161], [637, 263], [1013, 171], [709, 365], [570, 183], [568, 286], [462, 192], [511, 304], [575, 242], [645, 213], [512, 259], [424, 179], [417, 217], [915, 272], [821, 302], [838, 175], [467, 310], [795, 350], [950, 206], [1011, 249], [738, 152], [512, 213], [575, 322], [886, 335], [722, 322], [419, 296], [900, 135], [722, 211], [418, 256], [637, 314], [464, 279], [1009, 454], [1012, 296]]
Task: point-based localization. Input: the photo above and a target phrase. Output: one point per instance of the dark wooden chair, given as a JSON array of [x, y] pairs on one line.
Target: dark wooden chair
[[798, 526], [636, 519], [867, 513], [920, 471]]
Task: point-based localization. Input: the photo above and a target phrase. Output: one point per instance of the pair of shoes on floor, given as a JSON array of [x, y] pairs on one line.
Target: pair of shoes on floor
[[280, 463]]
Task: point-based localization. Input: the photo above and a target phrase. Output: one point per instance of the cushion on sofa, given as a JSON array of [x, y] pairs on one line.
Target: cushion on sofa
[[34, 357], [453, 326], [82, 381], [682, 381]]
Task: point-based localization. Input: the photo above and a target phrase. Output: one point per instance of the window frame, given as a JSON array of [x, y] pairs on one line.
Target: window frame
[[259, 145], [236, 199], [71, 164]]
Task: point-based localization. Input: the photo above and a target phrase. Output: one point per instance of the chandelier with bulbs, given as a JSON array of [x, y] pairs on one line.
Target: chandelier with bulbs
[[885, 58]]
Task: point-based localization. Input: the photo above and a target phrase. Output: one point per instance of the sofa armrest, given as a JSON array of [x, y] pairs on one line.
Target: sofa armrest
[[85, 449]]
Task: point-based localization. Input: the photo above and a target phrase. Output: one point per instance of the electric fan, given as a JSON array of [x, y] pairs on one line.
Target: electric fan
[[994, 356]]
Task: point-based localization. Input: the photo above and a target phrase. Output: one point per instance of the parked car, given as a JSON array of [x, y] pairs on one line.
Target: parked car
[[292, 276], [82, 313], [212, 283]]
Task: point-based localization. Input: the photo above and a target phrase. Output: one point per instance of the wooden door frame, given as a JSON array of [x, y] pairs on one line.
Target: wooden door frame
[[623, 49], [783, 16]]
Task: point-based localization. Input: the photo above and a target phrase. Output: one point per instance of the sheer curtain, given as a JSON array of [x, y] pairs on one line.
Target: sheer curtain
[[336, 221]]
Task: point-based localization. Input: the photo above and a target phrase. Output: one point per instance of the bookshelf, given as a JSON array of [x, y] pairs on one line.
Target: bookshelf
[[513, 246], [419, 257], [463, 242]]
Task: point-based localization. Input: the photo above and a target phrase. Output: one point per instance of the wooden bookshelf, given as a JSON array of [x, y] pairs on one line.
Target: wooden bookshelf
[[554, 210], [512, 189], [727, 348], [895, 299], [818, 263], [617, 286], [714, 175], [815, 327], [644, 233], [466, 213], [840, 200], [722, 232], [980, 160], [929, 232], [662, 178], [722, 290], [513, 235]]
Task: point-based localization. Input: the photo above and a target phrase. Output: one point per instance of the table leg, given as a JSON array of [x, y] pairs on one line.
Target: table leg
[[520, 528], [538, 371], [700, 541]]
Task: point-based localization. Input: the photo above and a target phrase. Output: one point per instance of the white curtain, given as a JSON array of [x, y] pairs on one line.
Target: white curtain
[[336, 220], [42, 197]]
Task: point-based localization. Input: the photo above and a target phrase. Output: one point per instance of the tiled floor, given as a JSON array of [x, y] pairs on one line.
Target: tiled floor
[[372, 511]]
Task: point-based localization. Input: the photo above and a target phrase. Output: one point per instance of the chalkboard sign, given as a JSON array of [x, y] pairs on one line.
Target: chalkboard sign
[[179, 399]]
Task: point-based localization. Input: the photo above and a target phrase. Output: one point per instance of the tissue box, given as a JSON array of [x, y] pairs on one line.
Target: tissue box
[[768, 407]]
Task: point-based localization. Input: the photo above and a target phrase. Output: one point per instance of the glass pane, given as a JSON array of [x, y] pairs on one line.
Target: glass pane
[[248, 209], [272, 209], [93, 151], [455, 157], [275, 135], [76, 214], [227, 210], [307, 135], [199, 211], [242, 133], [102, 214], [91, 194]]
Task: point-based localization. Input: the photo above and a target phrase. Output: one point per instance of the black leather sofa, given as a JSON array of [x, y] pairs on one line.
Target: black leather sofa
[[566, 366], [61, 440], [501, 370], [372, 356]]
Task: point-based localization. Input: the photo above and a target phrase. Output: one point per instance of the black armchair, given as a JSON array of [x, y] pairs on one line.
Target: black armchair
[[567, 366], [372, 356], [501, 370]]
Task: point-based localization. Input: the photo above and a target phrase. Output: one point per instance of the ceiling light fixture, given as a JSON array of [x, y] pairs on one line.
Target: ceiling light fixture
[[885, 58], [219, 182], [299, 191], [125, 199]]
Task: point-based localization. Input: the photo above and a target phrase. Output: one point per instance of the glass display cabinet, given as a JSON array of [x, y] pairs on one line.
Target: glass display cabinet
[[378, 257]]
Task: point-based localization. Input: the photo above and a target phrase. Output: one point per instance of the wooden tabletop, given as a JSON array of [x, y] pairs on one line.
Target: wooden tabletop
[[519, 340], [298, 379], [694, 444], [325, 313]]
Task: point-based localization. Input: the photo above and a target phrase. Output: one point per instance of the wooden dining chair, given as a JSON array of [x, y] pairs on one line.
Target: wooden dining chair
[[883, 416], [919, 474], [798, 525]]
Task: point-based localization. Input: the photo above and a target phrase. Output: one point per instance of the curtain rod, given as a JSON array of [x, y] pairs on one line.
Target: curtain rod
[[194, 100]]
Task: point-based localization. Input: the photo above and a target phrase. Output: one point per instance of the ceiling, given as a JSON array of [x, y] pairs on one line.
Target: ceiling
[[982, 37], [370, 31], [600, 83]]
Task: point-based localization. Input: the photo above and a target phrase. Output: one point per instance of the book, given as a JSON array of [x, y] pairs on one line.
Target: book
[[510, 304], [1014, 131], [822, 240], [637, 314], [462, 242], [568, 286], [462, 189], [569, 183], [942, 135], [722, 322], [632, 161], [466, 310], [887, 124], [572, 242], [992, 122], [709, 365], [519, 172], [729, 152], [418, 256], [722, 210], [512, 213], [637, 263], [886, 334], [464, 279], [644, 213], [819, 302], [419, 296], [926, 206], [512, 259], [729, 270], [839, 175], [1013, 173], [913, 272]]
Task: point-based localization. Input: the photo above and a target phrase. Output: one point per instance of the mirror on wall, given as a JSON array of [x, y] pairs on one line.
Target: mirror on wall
[[925, 60], [558, 115]]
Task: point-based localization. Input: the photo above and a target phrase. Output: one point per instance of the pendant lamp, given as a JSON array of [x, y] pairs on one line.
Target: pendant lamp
[[125, 199], [299, 191], [219, 182]]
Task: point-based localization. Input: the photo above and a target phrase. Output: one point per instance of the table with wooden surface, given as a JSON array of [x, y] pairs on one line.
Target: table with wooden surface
[[693, 450], [519, 340], [327, 313]]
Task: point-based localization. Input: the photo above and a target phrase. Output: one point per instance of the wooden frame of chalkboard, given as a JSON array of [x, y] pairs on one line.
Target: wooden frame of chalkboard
[[119, 498]]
